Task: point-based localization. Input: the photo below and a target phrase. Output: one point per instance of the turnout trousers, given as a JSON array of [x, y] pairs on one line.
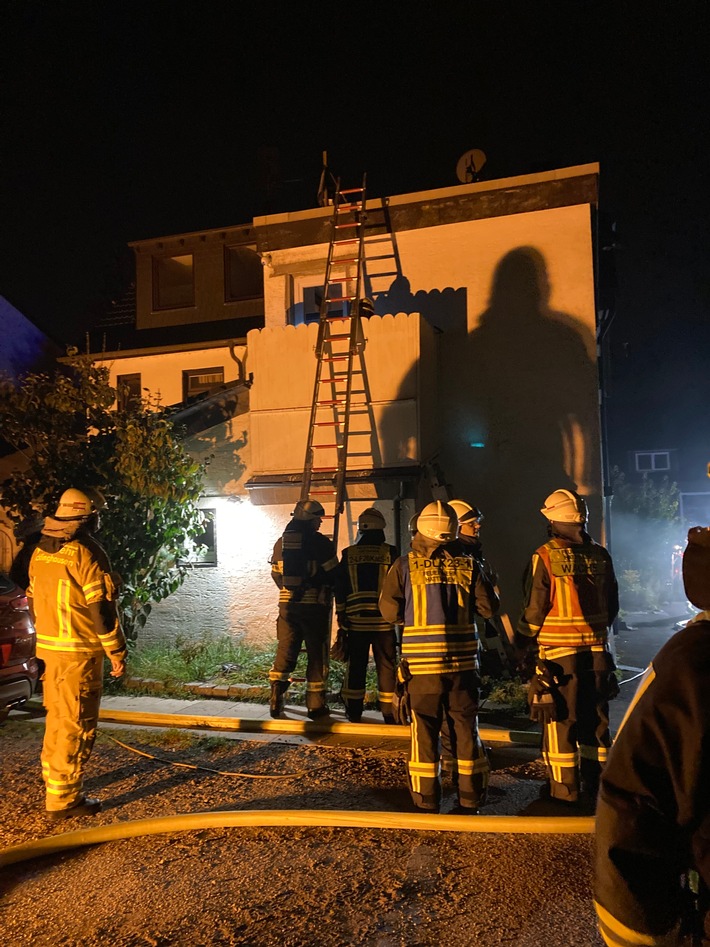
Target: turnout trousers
[[384, 651], [450, 700], [72, 688], [300, 625], [576, 745]]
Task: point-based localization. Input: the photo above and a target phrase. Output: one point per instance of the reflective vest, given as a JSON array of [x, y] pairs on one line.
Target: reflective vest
[[302, 565], [569, 606], [439, 634], [362, 573], [63, 585]]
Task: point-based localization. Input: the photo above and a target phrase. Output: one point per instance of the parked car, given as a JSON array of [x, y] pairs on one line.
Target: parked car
[[19, 670]]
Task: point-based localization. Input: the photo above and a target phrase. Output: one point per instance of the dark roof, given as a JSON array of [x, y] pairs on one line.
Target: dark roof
[[115, 330]]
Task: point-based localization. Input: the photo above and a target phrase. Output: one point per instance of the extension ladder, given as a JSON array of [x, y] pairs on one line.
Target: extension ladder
[[339, 343]]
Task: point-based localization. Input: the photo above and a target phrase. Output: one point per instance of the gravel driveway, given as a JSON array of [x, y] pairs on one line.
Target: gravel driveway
[[281, 886]]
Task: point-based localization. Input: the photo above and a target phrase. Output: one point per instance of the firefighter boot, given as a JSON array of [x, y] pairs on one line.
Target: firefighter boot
[[276, 703]]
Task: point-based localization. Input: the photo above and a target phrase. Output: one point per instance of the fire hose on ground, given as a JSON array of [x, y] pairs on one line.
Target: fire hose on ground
[[287, 818]]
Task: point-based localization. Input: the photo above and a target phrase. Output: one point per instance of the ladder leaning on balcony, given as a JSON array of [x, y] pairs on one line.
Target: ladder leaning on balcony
[[339, 341]]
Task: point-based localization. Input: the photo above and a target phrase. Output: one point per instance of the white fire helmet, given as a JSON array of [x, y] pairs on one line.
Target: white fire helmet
[[565, 506], [370, 519], [74, 505], [465, 512], [308, 510], [438, 521]]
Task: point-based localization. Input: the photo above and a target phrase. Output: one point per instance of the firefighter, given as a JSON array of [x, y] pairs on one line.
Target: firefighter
[[653, 810], [570, 600], [362, 571], [435, 594], [303, 567], [495, 659], [73, 604]]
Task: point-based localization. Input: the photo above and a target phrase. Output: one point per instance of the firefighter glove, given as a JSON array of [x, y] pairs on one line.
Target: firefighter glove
[[401, 704], [541, 696], [610, 686]]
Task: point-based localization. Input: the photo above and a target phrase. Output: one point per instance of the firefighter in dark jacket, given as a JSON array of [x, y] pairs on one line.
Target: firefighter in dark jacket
[[653, 812], [72, 598], [570, 600], [303, 567], [435, 595], [361, 573]]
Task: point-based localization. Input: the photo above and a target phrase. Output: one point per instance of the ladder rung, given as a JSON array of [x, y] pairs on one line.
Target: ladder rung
[[345, 259], [353, 205], [323, 404], [349, 223], [337, 335], [322, 492], [340, 279], [340, 299], [352, 190], [324, 469], [323, 446], [334, 358], [344, 243], [326, 423]]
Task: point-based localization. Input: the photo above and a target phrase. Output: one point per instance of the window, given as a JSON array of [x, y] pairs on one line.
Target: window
[[653, 460], [243, 274], [203, 548], [200, 380], [173, 282], [128, 390]]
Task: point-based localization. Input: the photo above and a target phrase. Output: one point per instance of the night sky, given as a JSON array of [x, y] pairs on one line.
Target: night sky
[[124, 120]]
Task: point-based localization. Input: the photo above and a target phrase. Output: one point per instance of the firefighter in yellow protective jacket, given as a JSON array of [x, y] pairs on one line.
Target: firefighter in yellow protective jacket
[[72, 600], [303, 567], [435, 595], [362, 571], [570, 600]]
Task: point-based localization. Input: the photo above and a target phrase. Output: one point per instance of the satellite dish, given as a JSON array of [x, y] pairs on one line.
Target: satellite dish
[[468, 166]]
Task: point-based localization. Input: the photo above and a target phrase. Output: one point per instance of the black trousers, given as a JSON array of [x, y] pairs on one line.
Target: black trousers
[[450, 700], [384, 651], [296, 626], [576, 745]]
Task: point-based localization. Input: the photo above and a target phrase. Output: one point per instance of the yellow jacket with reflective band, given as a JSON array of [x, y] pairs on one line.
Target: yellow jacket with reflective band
[[436, 597], [361, 574], [571, 596], [72, 597]]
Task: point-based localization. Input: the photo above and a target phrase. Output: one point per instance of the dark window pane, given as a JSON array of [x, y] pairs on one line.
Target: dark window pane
[[243, 274], [173, 282]]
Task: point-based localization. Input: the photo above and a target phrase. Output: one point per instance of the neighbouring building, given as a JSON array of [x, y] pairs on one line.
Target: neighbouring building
[[479, 365]]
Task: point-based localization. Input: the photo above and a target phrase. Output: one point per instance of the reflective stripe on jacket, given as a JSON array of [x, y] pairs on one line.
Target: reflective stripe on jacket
[[436, 597], [571, 595], [71, 593], [361, 575], [303, 565]]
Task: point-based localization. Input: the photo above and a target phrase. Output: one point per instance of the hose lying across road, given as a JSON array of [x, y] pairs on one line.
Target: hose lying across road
[[289, 818]]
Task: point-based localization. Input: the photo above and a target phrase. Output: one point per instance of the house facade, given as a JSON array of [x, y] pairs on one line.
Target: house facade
[[478, 369]]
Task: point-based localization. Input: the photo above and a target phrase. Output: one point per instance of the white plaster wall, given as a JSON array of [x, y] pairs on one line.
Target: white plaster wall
[[162, 372], [283, 362]]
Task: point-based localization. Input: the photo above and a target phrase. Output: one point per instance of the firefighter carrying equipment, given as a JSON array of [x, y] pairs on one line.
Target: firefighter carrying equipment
[[438, 521], [565, 506]]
